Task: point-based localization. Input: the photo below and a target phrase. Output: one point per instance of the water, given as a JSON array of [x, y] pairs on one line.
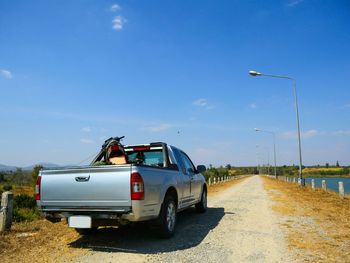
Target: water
[[332, 183]]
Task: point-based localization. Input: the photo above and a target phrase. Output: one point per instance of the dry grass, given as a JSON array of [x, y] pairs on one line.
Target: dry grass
[[38, 241], [217, 188], [317, 170], [27, 190], [317, 224]]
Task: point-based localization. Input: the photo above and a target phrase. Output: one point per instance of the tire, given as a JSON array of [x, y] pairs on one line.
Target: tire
[[167, 217], [201, 207], [86, 231]]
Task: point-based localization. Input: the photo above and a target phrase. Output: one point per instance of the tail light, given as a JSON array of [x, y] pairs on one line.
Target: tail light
[[37, 188], [137, 187]]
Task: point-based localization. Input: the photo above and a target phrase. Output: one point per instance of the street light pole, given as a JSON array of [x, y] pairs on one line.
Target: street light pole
[[254, 74], [274, 146]]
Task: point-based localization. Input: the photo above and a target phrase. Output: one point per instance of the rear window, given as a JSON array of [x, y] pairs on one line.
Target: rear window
[[146, 156]]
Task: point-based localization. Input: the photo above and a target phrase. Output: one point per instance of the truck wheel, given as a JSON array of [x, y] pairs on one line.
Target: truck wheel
[[168, 217], [201, 207], [86, 231]]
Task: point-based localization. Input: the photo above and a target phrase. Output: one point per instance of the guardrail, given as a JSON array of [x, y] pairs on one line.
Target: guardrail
[[288, 179], [222, 179]]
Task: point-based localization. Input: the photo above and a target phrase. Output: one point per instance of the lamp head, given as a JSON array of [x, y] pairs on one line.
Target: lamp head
[[254, 73]]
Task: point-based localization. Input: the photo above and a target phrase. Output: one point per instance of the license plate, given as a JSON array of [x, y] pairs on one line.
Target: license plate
[[79, 221]]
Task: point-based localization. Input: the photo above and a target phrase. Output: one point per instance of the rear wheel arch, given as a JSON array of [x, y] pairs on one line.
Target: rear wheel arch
[[172, 191]]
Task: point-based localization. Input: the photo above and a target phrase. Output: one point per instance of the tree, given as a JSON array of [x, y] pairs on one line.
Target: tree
[[19, 177], [228, 166], [337, 164], [2, 177], [35, 173], [327, 165]]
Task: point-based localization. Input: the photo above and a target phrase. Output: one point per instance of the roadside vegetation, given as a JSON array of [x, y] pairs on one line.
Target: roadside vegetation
[[323, 171], [22, 184], [292, 171]]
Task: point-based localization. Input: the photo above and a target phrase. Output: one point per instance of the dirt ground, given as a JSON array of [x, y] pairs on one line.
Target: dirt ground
[[316, 223], [53, 241]]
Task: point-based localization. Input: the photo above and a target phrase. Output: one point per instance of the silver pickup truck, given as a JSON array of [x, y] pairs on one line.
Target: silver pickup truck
[[156, 182]]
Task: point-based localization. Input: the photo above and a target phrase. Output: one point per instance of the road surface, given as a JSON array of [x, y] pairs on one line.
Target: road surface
[[239, 226]]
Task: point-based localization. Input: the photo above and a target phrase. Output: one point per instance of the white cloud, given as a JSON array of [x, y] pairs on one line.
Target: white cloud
[[310, 133], [347, 105], [86, 141], [6, 74], [252, 106], [314, 133], [294, 3], [341, 132], [86, 129], [115, 8], [304, 135], [200, 102], [158, 128], [118, 23], [203, 103]]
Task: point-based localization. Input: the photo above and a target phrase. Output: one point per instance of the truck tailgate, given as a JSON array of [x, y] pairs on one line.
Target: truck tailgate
[[104, 187]]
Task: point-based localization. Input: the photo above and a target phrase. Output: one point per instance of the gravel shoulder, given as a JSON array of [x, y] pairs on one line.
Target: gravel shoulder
[[239, 226]]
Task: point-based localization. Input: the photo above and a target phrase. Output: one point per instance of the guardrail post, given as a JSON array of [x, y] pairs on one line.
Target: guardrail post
[[209, 181], [214, 180], [324, 185], [341, 189], [6, 211], [313, 184]]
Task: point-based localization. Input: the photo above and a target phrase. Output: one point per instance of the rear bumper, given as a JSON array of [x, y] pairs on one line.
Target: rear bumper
[[54, 214], [138, 212]]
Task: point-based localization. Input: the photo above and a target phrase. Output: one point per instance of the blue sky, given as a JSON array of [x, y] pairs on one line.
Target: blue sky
[[73, 73]]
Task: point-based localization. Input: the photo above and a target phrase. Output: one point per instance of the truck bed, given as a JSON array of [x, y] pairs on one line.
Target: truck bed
[[104, 188]]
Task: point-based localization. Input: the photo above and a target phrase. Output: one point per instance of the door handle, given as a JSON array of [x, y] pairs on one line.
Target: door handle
[[82, 178]]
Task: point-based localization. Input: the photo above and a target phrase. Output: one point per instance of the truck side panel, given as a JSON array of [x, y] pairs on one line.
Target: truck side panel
[[157, 181]]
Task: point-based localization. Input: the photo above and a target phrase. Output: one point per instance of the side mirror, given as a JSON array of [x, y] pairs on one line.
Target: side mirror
[[201, 168]]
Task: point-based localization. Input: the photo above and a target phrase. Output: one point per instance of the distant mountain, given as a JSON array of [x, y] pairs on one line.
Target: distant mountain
[[8, 168], [45, 165]]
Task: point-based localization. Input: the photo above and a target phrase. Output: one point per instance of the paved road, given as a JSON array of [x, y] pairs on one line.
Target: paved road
[[239, 226]]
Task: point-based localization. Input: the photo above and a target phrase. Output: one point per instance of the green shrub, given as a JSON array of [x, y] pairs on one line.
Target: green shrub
[[25, 214], [24, 208], [7, 187], [24, 201]]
